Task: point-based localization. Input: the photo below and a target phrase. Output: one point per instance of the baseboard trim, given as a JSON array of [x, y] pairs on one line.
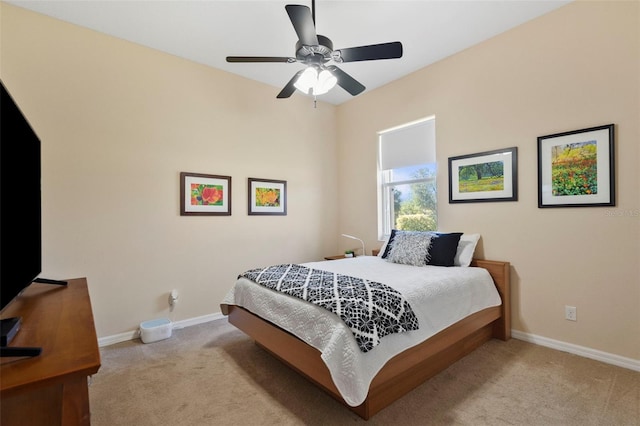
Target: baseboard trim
[[608, 358], [197, 320], [134, 334]]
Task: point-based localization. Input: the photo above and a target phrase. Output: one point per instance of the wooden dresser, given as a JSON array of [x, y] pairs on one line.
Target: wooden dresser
[[51, 388]]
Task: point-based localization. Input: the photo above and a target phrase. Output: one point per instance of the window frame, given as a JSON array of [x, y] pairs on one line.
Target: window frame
[[386, 184]]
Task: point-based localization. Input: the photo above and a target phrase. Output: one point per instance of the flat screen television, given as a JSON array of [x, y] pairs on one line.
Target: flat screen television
[[20, 216], [20, 202]]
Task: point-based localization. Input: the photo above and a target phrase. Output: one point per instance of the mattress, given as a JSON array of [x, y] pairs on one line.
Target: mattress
[[439, 296]]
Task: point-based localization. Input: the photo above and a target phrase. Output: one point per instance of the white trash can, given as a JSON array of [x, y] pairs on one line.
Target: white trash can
[[154, 330]]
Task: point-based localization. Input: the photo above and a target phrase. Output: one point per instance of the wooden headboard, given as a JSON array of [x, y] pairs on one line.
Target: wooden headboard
[[501, 274]]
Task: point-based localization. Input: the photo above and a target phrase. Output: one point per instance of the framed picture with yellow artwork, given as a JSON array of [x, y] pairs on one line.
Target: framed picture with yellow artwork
[[267, 197]]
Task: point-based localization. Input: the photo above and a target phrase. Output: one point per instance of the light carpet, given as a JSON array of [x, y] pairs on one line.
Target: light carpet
[[212, 374]]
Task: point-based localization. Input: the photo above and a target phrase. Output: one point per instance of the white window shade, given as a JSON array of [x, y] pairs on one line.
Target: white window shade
[[408, 145]]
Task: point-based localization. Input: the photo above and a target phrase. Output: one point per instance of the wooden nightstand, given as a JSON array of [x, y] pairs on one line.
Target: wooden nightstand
[[336, 257]]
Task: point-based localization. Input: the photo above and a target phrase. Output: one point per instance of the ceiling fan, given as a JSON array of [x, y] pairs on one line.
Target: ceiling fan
[[315, 51]]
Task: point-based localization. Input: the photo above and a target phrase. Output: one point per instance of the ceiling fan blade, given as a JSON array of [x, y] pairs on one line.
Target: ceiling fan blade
[[345, 81], [289, 88], [372, 52], [303, 24], [260, 59]]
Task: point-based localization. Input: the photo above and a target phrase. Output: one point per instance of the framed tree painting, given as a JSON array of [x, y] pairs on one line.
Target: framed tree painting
[[205, 195], [267, 197], [576, 168], [484, 176]]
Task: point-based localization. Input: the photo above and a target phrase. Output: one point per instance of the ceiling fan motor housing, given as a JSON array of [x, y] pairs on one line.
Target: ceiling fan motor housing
[[318, 54]]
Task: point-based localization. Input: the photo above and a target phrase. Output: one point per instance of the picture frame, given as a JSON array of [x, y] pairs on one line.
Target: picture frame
[[577, 168], [267, 197], [205, 194], [484, 176]]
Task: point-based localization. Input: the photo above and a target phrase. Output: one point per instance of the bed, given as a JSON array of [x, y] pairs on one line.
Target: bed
[[317, 343]]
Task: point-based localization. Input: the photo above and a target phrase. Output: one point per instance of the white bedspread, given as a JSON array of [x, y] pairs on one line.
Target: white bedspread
[[439, 296]]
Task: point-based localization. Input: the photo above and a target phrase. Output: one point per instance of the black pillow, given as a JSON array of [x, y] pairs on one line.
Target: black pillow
[[443, 248], [387, 249]]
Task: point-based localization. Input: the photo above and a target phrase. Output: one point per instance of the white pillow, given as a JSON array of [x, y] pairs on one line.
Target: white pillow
[[466, 248]]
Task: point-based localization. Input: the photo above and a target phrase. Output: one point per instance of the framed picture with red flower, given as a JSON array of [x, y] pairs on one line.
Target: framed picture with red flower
[[577, 168], [205, 195], [267, 197]]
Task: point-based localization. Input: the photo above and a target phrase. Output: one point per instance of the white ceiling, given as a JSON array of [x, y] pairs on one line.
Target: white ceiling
[[206, 31]]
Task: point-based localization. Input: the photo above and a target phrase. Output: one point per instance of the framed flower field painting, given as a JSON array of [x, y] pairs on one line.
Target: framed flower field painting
[[576, 168]]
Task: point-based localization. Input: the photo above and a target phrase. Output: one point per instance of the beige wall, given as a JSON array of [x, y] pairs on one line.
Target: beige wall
[[574, 68], [119, 122]]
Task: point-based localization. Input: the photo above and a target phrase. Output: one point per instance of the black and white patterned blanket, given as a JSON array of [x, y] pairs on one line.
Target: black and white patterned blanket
[[371, 310]]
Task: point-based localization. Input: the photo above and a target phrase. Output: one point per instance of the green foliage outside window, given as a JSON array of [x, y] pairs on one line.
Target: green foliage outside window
[[417, 211], [417, 222]]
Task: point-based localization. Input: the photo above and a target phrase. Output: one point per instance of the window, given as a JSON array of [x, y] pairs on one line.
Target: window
[[407, 178]]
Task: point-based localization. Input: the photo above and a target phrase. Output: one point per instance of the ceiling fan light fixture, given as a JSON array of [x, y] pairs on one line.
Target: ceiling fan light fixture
[[313, 83], [326, 81], [307, 80]]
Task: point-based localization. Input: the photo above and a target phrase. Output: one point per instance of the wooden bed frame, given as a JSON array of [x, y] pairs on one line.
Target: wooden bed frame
[[406, 370]]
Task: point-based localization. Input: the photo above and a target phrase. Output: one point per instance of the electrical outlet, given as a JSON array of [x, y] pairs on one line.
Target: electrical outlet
[[173, 298], [570, 313]]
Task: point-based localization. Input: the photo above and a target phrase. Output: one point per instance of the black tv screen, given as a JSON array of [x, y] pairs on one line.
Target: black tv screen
[[20, 202]]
